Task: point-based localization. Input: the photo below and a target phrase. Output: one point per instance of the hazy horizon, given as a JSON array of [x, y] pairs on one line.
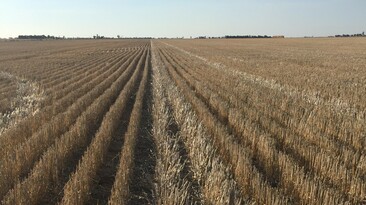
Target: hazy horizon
[[162, 18]]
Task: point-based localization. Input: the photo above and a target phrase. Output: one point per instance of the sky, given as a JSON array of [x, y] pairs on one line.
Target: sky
[[181, 18]]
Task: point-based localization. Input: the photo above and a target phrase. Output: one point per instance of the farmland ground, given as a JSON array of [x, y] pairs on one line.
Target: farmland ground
[[256, 121]]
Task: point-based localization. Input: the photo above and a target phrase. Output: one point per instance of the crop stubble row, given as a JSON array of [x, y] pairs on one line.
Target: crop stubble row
[[352, 185]]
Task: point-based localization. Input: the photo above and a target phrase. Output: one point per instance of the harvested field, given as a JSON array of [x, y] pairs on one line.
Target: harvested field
[[255, 121]]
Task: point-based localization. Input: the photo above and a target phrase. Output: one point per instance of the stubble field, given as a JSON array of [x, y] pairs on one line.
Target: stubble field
[[269, 121]]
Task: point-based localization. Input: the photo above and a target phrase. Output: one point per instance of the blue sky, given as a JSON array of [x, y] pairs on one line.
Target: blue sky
[[164, 18]]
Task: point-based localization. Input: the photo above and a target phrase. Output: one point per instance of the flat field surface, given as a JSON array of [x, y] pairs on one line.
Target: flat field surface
[[213, 121]]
